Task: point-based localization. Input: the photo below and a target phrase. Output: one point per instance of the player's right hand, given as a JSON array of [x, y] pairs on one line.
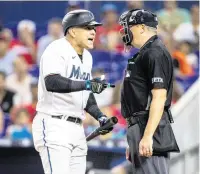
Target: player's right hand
[[102, 121], [96, 85]]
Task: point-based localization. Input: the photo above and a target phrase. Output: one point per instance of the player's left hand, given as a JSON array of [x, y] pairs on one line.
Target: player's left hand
[[146, 146], [102, 121]]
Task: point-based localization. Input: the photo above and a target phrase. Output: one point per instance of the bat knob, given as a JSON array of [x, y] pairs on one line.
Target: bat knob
[[114, 119]]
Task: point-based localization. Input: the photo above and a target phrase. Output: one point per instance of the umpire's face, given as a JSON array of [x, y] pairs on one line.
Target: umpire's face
[[84, 36], [138, 35]]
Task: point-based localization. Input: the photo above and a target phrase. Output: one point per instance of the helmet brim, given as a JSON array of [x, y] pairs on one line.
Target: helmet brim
[[94, 23]]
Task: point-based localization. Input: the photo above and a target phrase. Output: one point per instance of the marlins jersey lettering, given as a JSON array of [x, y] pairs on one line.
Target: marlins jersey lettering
[[61, 58]]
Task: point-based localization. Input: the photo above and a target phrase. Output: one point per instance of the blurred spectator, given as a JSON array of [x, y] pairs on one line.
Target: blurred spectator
[[8, 34], [20, 81], [1, 25], [1, 121], [134, 4], [107, 36], [189, 31], [55, 31], [167, 38], [72, 5], [6, 96], [34, 92], [171, 16], [6, 56], [185, 60], [186, 68], [21, 128], [177, 92], [31, 108], [25, 44]]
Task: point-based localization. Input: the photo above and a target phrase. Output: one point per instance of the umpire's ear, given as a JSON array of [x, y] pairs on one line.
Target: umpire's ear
[[71, 32]]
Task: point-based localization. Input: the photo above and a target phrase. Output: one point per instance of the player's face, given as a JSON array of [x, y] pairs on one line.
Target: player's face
[[85, 37]]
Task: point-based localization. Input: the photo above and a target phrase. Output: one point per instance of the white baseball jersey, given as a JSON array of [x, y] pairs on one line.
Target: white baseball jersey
[[61, 58]]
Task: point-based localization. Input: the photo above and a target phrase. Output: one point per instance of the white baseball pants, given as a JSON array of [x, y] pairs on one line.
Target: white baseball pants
[[61, 144]]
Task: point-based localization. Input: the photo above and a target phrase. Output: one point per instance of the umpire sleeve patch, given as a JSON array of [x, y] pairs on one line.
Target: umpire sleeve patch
[[157, 79]]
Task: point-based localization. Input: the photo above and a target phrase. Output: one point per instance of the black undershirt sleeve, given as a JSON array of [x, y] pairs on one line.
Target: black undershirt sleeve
[[57, 83], [92, 107]]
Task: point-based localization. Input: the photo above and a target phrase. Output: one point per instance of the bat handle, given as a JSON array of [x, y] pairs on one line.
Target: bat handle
[[109, 85]]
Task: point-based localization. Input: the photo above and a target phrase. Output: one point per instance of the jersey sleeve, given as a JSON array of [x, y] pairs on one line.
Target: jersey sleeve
[[157, 69], [52, 62]]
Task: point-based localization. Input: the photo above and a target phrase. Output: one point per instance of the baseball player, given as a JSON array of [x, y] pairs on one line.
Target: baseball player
[[65, 92]]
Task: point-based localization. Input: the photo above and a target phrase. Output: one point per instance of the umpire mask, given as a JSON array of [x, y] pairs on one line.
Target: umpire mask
[[135, 17]]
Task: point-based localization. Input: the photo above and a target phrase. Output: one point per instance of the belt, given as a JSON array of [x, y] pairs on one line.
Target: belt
[[68, 118], [136, 117], [143, 116], [132, 121]]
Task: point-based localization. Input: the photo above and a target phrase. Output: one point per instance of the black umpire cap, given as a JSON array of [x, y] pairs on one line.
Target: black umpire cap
[[78, 18]]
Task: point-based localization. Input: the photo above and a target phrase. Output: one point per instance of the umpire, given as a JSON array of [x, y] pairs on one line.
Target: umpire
[[146, 95]]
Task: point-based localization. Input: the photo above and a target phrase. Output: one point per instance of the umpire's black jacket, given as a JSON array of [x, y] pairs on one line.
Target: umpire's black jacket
[[150, 68]]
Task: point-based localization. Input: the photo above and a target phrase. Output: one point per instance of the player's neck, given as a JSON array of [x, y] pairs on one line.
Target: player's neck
[[76, 47]]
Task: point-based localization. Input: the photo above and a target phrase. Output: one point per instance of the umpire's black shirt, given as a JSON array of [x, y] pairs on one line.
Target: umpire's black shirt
[[151, 68]]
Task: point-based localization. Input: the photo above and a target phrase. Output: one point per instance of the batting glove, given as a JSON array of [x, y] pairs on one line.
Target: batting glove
[[102, 121], [96, 85]]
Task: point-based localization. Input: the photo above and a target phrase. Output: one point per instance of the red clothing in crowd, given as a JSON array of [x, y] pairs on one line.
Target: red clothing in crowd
[[114, 110], [21, 49], [101, 36]]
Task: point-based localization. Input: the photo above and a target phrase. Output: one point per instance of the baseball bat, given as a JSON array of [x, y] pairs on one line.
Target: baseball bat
[[110, 123], [109, 85]]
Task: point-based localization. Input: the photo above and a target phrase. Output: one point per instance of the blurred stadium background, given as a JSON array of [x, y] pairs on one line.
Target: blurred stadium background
[[28, 27]]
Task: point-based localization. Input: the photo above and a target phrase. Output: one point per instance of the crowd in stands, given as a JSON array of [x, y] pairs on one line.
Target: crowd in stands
[[20, 56]]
